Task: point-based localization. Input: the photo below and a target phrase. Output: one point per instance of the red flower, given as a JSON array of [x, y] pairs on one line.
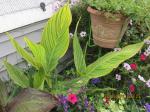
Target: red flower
[[72, 98], [106, 100], [132, 88], [133, 66], [142, 57]]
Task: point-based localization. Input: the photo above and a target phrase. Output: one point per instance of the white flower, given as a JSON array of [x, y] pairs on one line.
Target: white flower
[[148, 83], [131, 22], [118, 77], [147, 42], [117, 49], [56, 5], [141, 78], [71, 35], [127, 66], [147, 53], [83, 34], [148, 49]]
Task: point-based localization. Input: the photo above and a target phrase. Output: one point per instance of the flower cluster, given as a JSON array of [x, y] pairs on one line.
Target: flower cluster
[[82, 34]]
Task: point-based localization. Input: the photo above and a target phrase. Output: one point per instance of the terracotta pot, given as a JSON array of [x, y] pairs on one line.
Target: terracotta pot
[[107, 28]]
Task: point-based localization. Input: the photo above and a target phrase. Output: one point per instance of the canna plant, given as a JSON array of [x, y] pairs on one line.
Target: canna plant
[[44, 56], [101, 67]]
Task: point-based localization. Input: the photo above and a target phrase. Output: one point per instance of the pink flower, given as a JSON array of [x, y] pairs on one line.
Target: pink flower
[[72, 98], [132, 88], [133, 66], [143, 57], [148, 83]]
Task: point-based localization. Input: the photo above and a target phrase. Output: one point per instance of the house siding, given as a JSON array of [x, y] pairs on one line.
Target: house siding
[[7, 51]]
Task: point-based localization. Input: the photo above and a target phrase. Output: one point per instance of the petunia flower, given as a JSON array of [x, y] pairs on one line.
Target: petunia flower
[[83, 34], [132, 88], [148, 83], [127, 66], [147, 42], [133, 66], [72, 98], [56, 5], [147, 107], [63, 101], [141, 78], [118, 77], [95, 80], [143, 57], [146, 53], [86, 103]]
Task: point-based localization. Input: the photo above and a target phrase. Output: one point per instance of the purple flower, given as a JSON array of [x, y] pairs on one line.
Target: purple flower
[[63, 102], [86, 103], [92, 108], [95, 80], [147, 106]]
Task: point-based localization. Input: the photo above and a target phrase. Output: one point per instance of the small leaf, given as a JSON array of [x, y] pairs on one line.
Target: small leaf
[[31, 100], [17, 75]]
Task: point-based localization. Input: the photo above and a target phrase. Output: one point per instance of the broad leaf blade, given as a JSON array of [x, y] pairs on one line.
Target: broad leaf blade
[[28, 57], [3, 94], [78, 56], [31, 100], [112, 60], [55, 37], [17, 75], [38, 52]]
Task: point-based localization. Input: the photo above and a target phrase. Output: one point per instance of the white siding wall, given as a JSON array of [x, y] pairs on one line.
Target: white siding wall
[[33, 32]]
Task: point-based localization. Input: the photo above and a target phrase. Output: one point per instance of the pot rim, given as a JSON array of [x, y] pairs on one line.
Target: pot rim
[[98, 12]]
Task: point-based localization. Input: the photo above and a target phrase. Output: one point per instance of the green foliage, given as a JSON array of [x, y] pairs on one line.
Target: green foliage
[[43, 57], [78, 55], [101, 67], [55, 37], [136, 9], [17, 75], [112, 60]]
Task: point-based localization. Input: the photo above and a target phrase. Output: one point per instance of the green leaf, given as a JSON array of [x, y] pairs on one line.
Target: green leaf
[[103, 66], [17, 75], [38, 53], [3, 94], [39, 79], [55, 36], [106, 64], [31, 100], [28, 57], [79, 59]]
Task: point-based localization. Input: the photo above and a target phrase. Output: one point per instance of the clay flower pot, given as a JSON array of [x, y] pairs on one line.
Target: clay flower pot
[[107, 28]]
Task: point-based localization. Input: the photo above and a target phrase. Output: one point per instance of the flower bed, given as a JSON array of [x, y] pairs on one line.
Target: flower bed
[[99, 79]]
